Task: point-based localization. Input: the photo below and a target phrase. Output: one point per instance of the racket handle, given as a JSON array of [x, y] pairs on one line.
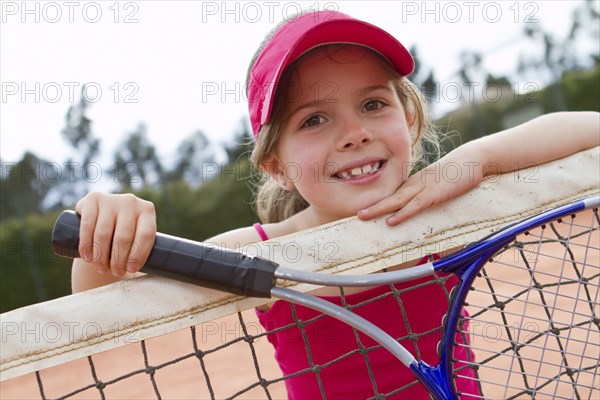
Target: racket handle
[[184, 260]]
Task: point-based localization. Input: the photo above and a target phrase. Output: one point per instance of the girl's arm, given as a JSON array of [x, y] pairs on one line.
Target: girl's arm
[[122, 229], [541, 140]]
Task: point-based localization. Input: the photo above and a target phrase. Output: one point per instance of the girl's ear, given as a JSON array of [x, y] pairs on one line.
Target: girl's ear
[[410, 118], [273, 167]]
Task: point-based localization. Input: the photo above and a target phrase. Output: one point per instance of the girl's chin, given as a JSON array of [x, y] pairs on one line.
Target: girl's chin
[[350, 210], [372, 200], [349, 205]]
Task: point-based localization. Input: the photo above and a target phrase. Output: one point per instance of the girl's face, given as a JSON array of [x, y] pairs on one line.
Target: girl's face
[[345, 142]]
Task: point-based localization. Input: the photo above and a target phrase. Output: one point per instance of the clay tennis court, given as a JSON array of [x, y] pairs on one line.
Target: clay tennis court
[[232, 368], [229, 369]]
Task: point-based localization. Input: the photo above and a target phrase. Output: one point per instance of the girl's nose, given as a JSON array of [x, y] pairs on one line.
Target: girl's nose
[[354, 135]]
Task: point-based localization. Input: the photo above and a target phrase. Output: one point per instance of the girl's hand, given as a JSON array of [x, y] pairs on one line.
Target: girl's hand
[[435, 184], [541, 140], [117, 231]]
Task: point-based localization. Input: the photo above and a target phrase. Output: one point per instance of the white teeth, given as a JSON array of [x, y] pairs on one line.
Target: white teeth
[[359, 171]]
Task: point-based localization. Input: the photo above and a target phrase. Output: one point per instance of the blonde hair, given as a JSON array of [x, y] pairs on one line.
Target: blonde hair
[[273, 203]]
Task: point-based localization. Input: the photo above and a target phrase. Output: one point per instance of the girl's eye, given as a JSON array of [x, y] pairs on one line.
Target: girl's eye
[[373, 105], [313, 120]]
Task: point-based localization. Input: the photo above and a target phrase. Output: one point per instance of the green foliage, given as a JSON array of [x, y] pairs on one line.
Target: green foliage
[[222, 204], [580, 89], [23, 190], [242, 144], [193, 153], [29, 271], [78, 130], [136, 163], [79, 135]]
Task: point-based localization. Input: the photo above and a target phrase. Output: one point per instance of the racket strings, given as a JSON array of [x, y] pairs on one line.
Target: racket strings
[[567, 371], [510, 337], [519, 392], [531, 334], [465, 364], [482, 350], [504, 306], [534, 319], [551, 309]]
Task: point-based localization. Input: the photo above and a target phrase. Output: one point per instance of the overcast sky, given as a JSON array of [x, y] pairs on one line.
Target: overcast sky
[[180, 66]]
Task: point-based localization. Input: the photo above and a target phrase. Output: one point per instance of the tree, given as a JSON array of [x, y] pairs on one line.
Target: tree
[[430, 88], [554, 59], [242, 143], [593, 24], [501, 81], [471, 65], [428, 85], [560, 54], [194, 158], [24, 185], [78, 130], [78, 133], [136, 163]]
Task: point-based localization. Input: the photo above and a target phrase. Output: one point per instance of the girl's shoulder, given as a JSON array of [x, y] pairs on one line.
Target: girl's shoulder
[[241, 237], [236, 238]]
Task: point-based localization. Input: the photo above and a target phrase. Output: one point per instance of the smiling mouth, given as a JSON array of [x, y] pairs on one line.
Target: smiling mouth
[[358, 172]]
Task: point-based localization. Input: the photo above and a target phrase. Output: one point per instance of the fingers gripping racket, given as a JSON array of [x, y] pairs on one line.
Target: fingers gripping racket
[[536, 282]]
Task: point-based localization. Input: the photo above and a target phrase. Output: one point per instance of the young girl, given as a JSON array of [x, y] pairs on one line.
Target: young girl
[[337, 129]]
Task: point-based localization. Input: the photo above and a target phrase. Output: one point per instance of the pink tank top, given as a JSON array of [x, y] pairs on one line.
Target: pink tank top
[[344, 366]]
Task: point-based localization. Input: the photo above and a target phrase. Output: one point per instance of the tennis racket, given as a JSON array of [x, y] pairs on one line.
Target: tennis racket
[[536, 282]]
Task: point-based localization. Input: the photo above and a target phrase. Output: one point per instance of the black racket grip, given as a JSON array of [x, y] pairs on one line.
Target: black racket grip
[[185, 260]]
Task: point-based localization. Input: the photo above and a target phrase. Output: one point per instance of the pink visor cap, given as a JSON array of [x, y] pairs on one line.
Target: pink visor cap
[[304, 33]]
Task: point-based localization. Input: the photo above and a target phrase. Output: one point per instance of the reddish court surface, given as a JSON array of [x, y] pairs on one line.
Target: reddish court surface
[[230, 369]]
